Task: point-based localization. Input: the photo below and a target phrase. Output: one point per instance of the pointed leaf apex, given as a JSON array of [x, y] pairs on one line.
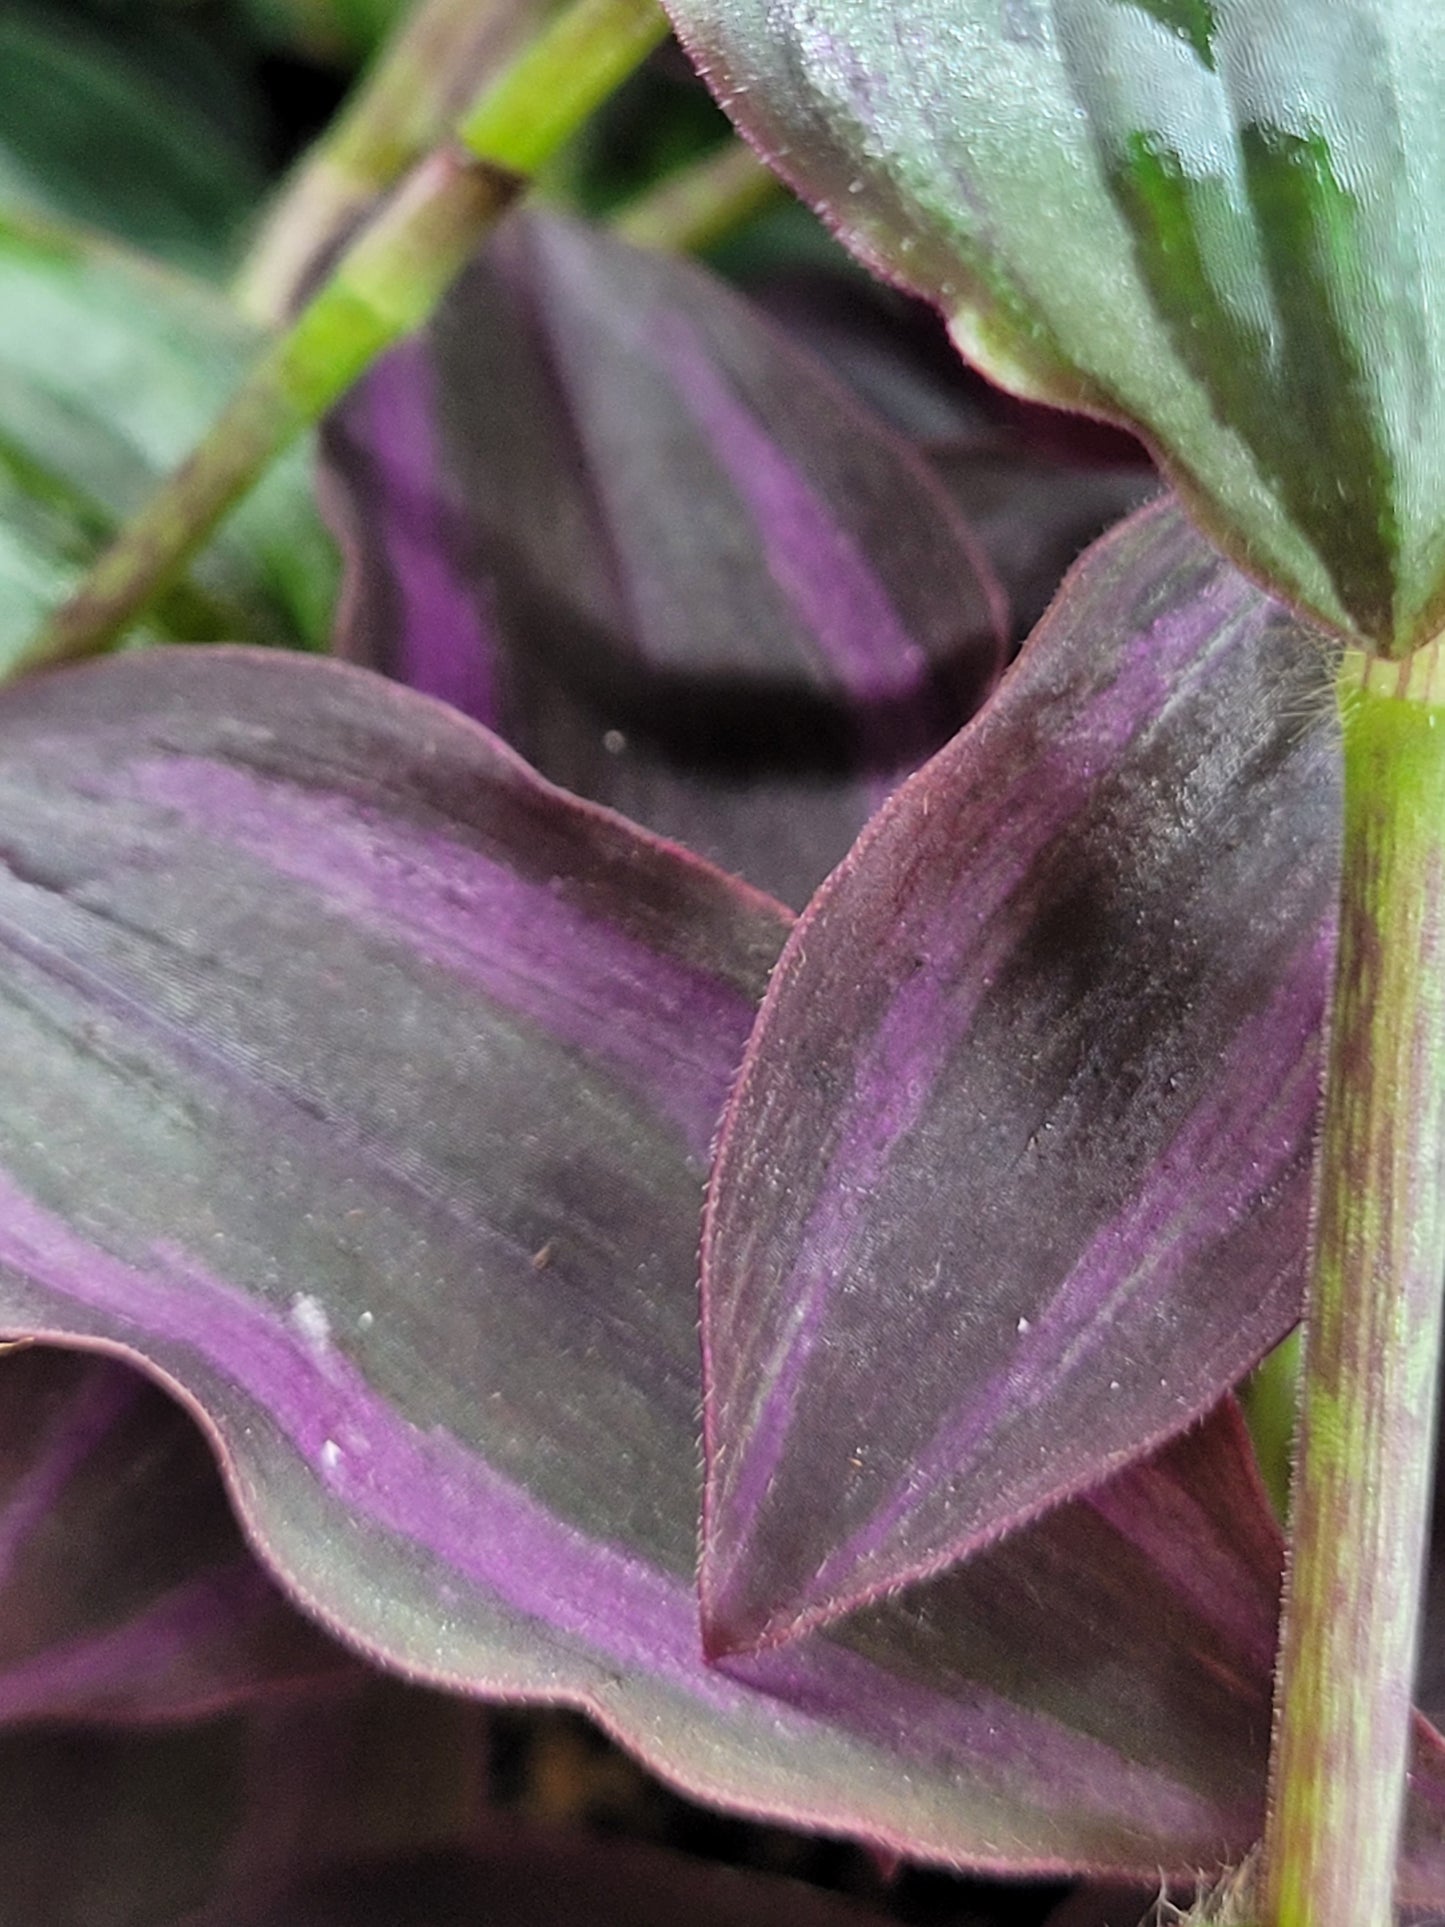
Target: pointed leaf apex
[[1014, 1182]]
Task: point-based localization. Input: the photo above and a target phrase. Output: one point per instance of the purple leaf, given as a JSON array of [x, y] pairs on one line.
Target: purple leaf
[[370, 1808], [1106, 1904], [522, 1875], [108, 1828], [361, 1084], [1016, 1178], [606, 507], [1036, 512], [126, 1592], [1034, 486]]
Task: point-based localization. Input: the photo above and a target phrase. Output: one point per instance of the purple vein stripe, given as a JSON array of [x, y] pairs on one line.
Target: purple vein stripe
[[447, 648], [672, 1032], [1169, 1530], [843, 606], [920, 1031], [95, 1407], [424, 1487], [157, 1663], [1160, 1233]]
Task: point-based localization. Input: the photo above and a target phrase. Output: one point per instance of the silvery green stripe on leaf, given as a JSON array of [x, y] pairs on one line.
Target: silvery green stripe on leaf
[[1220, 223], [606, 507], [1026, 1124], [348, 1070]]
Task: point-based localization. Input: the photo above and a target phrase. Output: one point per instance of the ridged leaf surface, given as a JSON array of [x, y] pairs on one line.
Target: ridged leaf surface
[[1016, 1179], [1218, 220], [605, 506], [362, 1085]]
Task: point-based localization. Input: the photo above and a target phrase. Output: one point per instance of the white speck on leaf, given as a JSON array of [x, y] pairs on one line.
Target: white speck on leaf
[[308, 1315]]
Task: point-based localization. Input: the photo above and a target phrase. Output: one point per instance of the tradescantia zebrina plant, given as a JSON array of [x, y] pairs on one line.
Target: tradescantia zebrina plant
[[1210, 218], [1216, 220], [364, 1079]]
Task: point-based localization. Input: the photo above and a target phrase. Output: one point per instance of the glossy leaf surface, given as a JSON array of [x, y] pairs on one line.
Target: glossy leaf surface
[[1217, 221], [1016, 1178], [362, 1085], [126, 1592], [606, 507]]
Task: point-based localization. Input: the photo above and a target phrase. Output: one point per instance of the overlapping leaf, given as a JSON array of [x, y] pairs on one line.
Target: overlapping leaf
[[1016, 1179], [125, 1590], [1216, 219], [1035, 485], [529, 1876], [203, 1823], [109, 371], [148, 135], [607, 508], [362, 1085], [370, 1810]]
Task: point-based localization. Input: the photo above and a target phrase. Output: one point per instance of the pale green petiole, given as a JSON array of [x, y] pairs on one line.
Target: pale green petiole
[[385, 284], [1361, 1498], [407, 103]]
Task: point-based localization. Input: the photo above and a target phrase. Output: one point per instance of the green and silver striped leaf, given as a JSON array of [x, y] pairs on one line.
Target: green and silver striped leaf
[[1220, 221]]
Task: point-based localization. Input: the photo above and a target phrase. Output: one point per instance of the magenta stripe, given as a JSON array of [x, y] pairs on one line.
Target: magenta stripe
[[673, 1032], [160, 1663], [1152, 1244], [922, 1027], [447, 647], [97, 1404], [1164, 1521], [423, 1486], [838, 597]]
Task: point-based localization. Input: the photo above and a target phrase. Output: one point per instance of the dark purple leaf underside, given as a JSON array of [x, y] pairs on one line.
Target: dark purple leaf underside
[[194, 1824], [1035, 512], [361, 1085], [522, 1875], [1106, 1904], [606, 507], [126, 1592], [1016, 1177], [370, 1810], [1034, 486]]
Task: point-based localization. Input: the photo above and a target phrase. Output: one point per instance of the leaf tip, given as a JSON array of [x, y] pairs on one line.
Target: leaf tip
[[741, 1619]]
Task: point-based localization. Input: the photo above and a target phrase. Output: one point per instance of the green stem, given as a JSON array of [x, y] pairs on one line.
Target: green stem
[[386, 284], [383, 286], [1362, 1485], [552, 88], [1270, 1396], [699, 206], [442, 54]]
